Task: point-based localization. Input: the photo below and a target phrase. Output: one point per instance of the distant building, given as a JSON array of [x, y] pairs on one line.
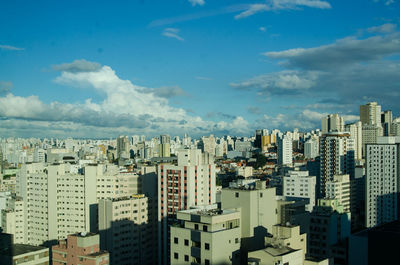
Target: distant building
[[82, 248], [339, 188], [332, 123], [285, 150], [370, 114], [311, 148]]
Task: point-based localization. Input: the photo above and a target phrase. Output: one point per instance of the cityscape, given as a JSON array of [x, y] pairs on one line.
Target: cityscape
[[200, 132]]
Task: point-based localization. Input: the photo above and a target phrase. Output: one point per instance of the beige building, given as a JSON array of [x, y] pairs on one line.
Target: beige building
[[370, 114], [206, 235], [355, 130], [286, 246], [332, 123], [259, 210], [123, 224], [244, 171]]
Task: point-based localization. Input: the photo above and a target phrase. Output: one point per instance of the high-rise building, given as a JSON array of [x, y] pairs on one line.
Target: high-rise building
[[329, 231], [332, 123], [206, 235], [339, 188], [386, 119], [356, 132], [208, 144], [123, 225], [13, 218], [189, 183], [298, 184], [311, 148], [58, 201], [285, 150], [123, 147], [382, 181], [259, 210], [337, 158], [370, 134], [81, 248], [370, 114]]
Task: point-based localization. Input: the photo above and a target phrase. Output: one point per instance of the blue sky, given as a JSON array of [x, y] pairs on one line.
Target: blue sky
[[102, 68]]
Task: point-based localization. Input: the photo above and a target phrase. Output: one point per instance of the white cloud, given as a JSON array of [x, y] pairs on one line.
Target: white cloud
[[252, 10], [125, 108], [197, 2], [172, 33], [343, 52], [263, 29], [385, 28], [10, 48]]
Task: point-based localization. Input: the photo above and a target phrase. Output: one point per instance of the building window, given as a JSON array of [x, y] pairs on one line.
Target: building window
[[207, 246], [196, 226], [186, 258], [186, 242], [176, 256], [205, 228], [261, 194], [206, 262], [236, 240], [175, 240], [237, 194]]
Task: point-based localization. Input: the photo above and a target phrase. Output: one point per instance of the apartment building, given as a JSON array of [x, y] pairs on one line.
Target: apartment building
[[206, 235], [81, 248], [298, 184]]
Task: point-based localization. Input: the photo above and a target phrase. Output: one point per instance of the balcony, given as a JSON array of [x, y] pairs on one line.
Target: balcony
[[195, 252]]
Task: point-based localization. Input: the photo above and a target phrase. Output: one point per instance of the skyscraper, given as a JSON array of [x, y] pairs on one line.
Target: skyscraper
[[370, 114], [189, 183], [285, 150], [332, 123], [382, 181], [337, 157]]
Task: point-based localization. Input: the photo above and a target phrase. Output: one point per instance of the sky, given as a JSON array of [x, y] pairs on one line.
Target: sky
[[99, 69]]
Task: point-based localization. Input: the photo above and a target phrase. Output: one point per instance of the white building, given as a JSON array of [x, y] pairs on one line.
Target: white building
[[370, 114], [285, 150], [337, 157], [206, 235], [13, 219], [382, 180], [299, 184], [123, 226], [332, 123], [311, 148], [191, 182], [58, 201], [356, 132], [370, 134], [339, 188]]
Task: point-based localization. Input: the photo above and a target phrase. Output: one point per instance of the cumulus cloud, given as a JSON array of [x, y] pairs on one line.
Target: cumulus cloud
[[263, 29], [172, 33], [78, 66], [385, 28], [197, 2], [10, 48], [125, 108]]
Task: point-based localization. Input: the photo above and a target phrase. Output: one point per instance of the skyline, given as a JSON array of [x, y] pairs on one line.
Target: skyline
[[196, 67]]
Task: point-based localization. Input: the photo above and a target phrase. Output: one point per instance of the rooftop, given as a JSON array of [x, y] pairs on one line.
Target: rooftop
[[19, 249]]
